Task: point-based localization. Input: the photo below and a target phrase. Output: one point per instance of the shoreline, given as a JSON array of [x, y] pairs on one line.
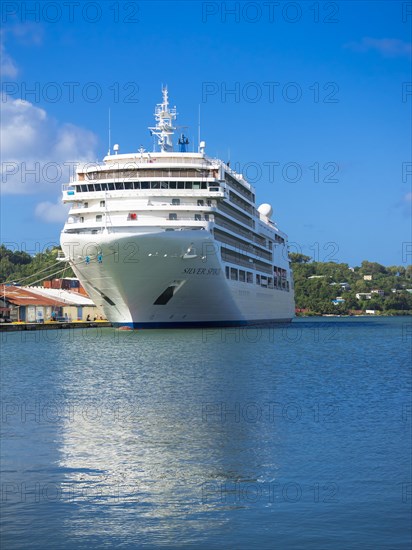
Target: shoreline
[[408, 314]]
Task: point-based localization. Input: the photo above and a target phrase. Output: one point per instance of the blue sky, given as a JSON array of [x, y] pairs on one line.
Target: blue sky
[[319, 116]]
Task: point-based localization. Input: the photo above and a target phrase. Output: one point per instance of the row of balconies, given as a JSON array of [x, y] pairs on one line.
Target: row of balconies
[[133, 218]]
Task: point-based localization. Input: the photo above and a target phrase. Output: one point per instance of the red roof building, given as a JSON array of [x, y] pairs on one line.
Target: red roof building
[[28, 306]]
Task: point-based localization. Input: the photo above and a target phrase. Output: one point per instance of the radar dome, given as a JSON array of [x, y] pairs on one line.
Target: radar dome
[[265, 210]]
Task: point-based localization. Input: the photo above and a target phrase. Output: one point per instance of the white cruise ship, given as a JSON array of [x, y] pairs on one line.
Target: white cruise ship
[[174, 239]]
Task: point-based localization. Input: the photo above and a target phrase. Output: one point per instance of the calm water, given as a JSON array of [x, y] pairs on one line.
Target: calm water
[[289, 438]]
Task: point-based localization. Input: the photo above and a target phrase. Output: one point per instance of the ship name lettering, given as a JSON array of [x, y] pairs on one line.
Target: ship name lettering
[[201, 271]]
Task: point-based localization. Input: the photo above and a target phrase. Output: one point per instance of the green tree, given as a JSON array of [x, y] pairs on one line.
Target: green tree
[[299, 258], [371, 268]]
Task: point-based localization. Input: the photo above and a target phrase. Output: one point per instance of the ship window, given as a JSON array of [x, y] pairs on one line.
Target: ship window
[[233, 274], [196, 185], [111, 186], [128, 185], [176, 202], [102, 204], [172, 216], [145, 184], [119, 186], [155, 185], [227, 272], [204, 185], [81, 219], [188, 185], [249, 277], [242, 276], [258, 279], [180, 184], [200, 202], [209, 202], [83, 188], [104, 186], [206, 217], [136, 185], [270, 282], [198, 217], [97, 187], [85, 205], [89, 187], [172, 185], [99, 218]]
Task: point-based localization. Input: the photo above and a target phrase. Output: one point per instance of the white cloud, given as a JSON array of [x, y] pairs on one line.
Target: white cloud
[[388, 47], [8, 67], [37, 151], [28, 33], [51, 212], [404, 205]]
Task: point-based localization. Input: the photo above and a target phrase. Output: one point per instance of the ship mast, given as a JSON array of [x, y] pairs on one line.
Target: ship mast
[[164, 128]]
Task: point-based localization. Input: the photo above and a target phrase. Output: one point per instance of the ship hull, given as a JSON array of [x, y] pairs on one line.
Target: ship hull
[[162, 279]]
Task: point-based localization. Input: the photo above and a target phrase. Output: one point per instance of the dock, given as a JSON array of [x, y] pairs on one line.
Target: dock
[[52, 325]]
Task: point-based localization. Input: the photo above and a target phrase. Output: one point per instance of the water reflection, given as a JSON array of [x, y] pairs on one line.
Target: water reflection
[[148, 433], [207, 439]]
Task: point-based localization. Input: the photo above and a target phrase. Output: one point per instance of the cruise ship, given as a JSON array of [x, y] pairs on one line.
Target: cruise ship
[[173, 238]]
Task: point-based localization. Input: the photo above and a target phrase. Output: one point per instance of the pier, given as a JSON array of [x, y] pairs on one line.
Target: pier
[[50, 325]]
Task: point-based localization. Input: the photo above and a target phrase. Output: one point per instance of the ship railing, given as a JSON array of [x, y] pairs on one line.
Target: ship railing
[[152, 159], [212, 192], [126, 221]]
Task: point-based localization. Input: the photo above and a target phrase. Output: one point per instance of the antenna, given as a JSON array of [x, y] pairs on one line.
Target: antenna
[[110, 130], [198, 128]]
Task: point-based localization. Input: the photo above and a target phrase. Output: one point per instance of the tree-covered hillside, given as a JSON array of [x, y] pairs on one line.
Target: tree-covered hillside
[[317, 284], [19, 266]]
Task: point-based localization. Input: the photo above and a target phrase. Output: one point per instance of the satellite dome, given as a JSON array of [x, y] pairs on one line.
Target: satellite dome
[[265, 209]]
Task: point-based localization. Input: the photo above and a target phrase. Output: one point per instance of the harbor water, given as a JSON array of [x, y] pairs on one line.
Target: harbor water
[[287, 437]]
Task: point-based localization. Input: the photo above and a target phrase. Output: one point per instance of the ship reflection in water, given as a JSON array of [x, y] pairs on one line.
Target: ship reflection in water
[[168, 448]]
